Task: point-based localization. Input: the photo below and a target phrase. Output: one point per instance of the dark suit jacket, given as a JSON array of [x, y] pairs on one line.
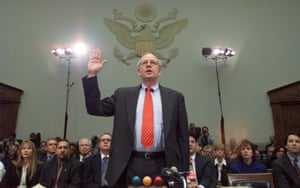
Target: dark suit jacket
[[91, 174], [206, 171], [70, 176], [122, 105], [13, 175], [284, 174]]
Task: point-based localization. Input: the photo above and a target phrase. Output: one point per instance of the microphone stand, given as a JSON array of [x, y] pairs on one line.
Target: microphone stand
[[68, 85], [184, 182], [220, 103]]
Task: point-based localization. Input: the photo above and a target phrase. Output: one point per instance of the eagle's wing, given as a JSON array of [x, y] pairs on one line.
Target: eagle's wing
[[168, 33], [122, 33]]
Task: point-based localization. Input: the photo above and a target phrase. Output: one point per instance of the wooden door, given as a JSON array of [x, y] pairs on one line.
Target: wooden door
[[285, 104], [9, 104]]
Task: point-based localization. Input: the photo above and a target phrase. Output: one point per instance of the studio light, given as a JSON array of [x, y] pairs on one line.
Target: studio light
[[218, 55], [67, 54]]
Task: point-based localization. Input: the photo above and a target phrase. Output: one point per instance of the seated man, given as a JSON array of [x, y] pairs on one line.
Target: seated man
[[285, 171], [202, 167], [84, 148], [94, 168], [62, 171]]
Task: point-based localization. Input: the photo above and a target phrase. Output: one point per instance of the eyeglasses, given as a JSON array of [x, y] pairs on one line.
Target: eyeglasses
[[152, 62], [105, 139]]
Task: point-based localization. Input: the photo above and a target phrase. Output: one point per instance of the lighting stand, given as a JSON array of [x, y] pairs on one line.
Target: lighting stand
[[66, 54], [218, 54], [68, 85], [220, 103]]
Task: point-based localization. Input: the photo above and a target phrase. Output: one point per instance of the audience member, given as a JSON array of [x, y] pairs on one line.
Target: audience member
[[42, 150], [272, 142], [51, 149], [95, 141], [279, 152], [232, 156], [199, 148], [206, 138], [94, 167], [62, 171], [232, 146], [11, 155], [246, 161], [221, 164], [84, 147], [195, 130], [285, 171], [2, 171], [269, 156], [208, 151], [200, 167], [73, 150], [35, 138], [25, 170]]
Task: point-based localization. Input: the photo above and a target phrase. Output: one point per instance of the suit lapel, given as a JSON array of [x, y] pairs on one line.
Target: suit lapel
[[165, 100], [131, 106], [292, 172], [53, 169]]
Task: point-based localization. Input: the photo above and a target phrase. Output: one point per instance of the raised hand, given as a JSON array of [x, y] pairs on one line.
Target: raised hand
[[95, 63]]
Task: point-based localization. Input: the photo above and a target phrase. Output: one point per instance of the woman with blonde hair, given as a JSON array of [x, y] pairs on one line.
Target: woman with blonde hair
[[24, 171]]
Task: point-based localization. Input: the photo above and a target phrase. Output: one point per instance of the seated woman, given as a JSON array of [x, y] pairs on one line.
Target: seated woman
[[246, 161], [25, 170], [279, 152]]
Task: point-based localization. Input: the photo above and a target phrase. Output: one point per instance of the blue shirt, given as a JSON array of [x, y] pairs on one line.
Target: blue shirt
[[157, 121]]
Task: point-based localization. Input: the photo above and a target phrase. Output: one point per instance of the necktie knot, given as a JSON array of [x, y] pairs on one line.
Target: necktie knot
[[149, 89]]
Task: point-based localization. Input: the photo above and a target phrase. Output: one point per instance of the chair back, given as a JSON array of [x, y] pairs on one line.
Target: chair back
[[255, 180], [252, 183]]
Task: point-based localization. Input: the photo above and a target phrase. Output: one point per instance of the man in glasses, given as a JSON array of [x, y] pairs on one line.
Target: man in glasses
[[143, 143], [94, 168]]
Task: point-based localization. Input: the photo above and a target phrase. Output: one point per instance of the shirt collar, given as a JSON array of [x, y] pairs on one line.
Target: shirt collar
[[193, 156], [292, 158], [154, 87], [223, 162], [102, 156]]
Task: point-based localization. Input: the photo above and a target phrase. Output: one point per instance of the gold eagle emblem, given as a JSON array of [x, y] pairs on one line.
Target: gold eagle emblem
[[145, 37]]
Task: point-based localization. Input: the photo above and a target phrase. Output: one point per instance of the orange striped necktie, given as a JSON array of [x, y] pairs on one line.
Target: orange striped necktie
[[147, 124]]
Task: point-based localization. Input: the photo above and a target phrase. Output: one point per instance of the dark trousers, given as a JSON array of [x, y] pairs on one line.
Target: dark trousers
[[144, 167]]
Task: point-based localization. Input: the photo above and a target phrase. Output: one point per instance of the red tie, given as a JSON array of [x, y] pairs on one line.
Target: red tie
[[296, 166], [147, 125]]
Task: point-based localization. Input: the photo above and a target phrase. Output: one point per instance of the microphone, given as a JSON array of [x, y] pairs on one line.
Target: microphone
[[158, 181], [175, 176], [167, 172], [136, 181], [147, 181], [175, 171]]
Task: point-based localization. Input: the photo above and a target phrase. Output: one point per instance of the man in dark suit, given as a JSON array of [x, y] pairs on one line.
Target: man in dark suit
[[285, 170], [201, 167], [93, 170], [51, 149], [63, 172], [128, 156]]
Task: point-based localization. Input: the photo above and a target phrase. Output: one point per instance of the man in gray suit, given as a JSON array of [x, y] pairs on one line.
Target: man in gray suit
[[286, 172], [128, 156]]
